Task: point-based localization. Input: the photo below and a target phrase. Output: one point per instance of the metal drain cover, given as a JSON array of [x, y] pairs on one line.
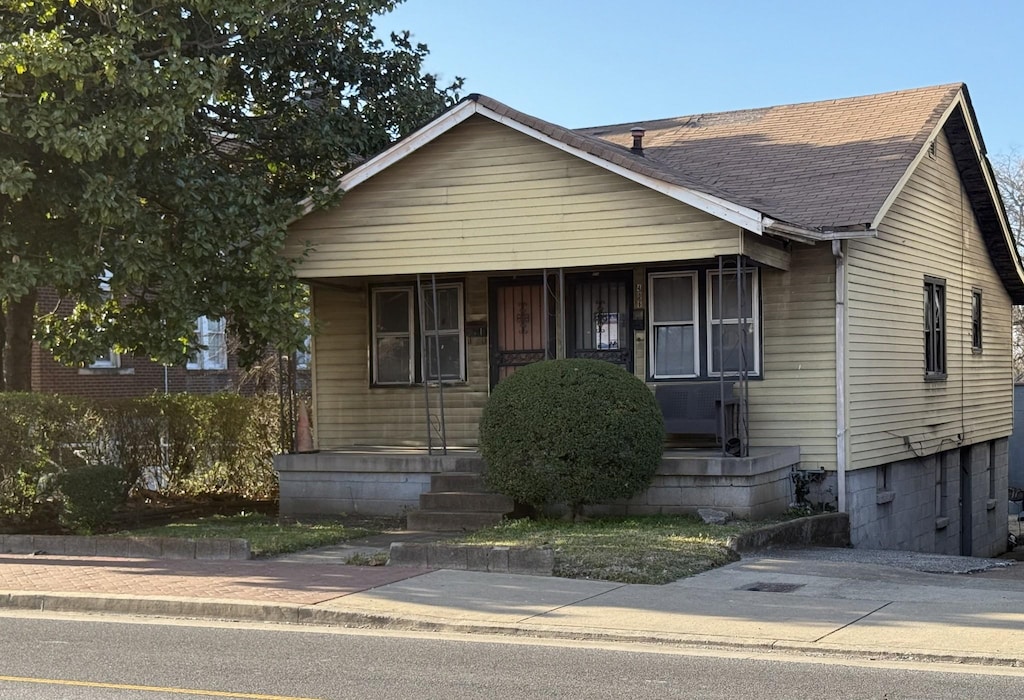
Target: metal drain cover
[[772, 587]]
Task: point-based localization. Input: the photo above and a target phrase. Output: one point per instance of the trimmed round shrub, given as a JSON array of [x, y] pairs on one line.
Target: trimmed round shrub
[[571, 432], [89, 496]]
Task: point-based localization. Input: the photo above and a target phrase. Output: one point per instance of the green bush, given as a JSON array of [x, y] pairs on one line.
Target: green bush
[[89, 496], [187, 444], [571, 432], [40, 434]]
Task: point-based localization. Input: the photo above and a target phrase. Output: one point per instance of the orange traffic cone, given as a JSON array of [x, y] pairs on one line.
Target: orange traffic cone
[[303, 432]]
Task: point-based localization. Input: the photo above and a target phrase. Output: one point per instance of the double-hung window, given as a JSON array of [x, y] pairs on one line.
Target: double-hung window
[[210, 332], [402, 335], [393, 325], [934, 328], [733, 327], [674, 348], [698, 330]]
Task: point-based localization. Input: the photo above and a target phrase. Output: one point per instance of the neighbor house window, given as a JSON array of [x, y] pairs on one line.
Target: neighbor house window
[[674, 346], [210, 332], [397, 331], [109, 359], [976, 320], [934, 328], [733, 326]]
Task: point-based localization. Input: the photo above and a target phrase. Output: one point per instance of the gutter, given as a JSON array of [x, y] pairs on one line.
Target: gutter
[[807, 235], [841, 436]]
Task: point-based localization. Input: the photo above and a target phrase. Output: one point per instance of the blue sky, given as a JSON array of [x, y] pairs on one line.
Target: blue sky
[[586, 63]]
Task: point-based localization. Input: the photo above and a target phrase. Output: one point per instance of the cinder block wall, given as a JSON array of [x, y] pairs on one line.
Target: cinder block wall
[[915, 504]]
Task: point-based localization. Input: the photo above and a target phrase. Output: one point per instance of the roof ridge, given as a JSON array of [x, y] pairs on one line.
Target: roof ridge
[[750, 110]]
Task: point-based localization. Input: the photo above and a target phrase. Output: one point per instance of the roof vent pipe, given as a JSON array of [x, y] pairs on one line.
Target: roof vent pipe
[[638, 140]]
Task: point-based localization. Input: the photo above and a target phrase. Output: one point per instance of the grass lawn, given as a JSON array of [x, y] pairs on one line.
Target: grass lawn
[[266, 535], [642, 549]]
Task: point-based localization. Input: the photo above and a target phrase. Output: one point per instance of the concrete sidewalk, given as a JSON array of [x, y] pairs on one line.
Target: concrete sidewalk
[[788, 601]]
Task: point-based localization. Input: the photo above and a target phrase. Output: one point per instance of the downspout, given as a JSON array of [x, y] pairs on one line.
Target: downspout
[[837, 251]]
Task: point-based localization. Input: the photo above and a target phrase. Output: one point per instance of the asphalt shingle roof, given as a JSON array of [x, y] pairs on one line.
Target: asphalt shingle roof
[[821, 165]]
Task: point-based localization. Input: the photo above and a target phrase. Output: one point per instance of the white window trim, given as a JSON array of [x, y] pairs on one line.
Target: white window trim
[[411, 333], [653, 325], [460, 333], [111, 361], [754, 320], [203, 359]]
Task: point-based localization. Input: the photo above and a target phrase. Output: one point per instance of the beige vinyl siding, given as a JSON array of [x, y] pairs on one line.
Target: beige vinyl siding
[[795, 404], [351, 412], [894, 413], [483, 197]]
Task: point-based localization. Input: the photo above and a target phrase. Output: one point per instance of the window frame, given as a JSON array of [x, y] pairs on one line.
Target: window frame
[[977, 329], [419, 337], [459, 332], [112, 359], [203, 361], [653, 325], [754, 320], [410, 292], [935, 348]]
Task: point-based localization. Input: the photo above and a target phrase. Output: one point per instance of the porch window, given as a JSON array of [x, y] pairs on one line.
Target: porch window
[[674, 348], [934, 328], [392, 335], [396, 329], [210, 332], [734, 329], [445, 339]]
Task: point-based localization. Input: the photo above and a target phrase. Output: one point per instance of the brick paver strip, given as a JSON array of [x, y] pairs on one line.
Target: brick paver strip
[[303, 584]]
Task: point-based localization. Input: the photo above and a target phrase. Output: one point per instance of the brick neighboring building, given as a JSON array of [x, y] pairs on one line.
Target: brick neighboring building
[[125, 376]]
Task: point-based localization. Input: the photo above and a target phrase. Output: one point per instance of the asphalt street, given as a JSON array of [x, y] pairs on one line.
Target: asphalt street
[[96, 658]]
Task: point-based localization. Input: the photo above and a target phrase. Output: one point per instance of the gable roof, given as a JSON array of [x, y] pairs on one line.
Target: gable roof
[[826, 166], [810, 171]]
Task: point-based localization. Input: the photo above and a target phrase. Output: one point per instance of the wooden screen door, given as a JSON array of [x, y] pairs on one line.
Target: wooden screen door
[[519, 335]]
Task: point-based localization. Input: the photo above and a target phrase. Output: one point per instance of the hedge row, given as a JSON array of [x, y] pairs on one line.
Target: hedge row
[[181, 444]]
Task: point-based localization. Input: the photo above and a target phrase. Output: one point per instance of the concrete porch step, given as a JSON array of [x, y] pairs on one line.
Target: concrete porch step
[[472, 482], [450, 521], [467, 501]]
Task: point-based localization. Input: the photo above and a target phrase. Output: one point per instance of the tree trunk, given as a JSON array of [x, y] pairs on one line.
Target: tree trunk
[[21, 315]]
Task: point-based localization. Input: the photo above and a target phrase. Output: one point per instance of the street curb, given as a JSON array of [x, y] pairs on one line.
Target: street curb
[[201, 548], [312, 615]]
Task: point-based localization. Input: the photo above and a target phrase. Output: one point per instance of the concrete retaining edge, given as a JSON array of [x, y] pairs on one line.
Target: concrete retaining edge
[[462, 557], [241, 611], [205, 548], [825, 530]]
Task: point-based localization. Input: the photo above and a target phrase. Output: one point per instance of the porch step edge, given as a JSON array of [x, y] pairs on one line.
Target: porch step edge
[[466, 501], [451, 521]]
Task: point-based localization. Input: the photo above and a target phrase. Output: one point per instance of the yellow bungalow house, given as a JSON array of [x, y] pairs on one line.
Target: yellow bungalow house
[[841, 274]]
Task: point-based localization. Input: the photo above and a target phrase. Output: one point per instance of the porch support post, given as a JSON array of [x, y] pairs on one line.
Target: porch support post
[[561, 311], [841, 448], [423, 363], [437, 357], [721, 353], [544, 328]]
